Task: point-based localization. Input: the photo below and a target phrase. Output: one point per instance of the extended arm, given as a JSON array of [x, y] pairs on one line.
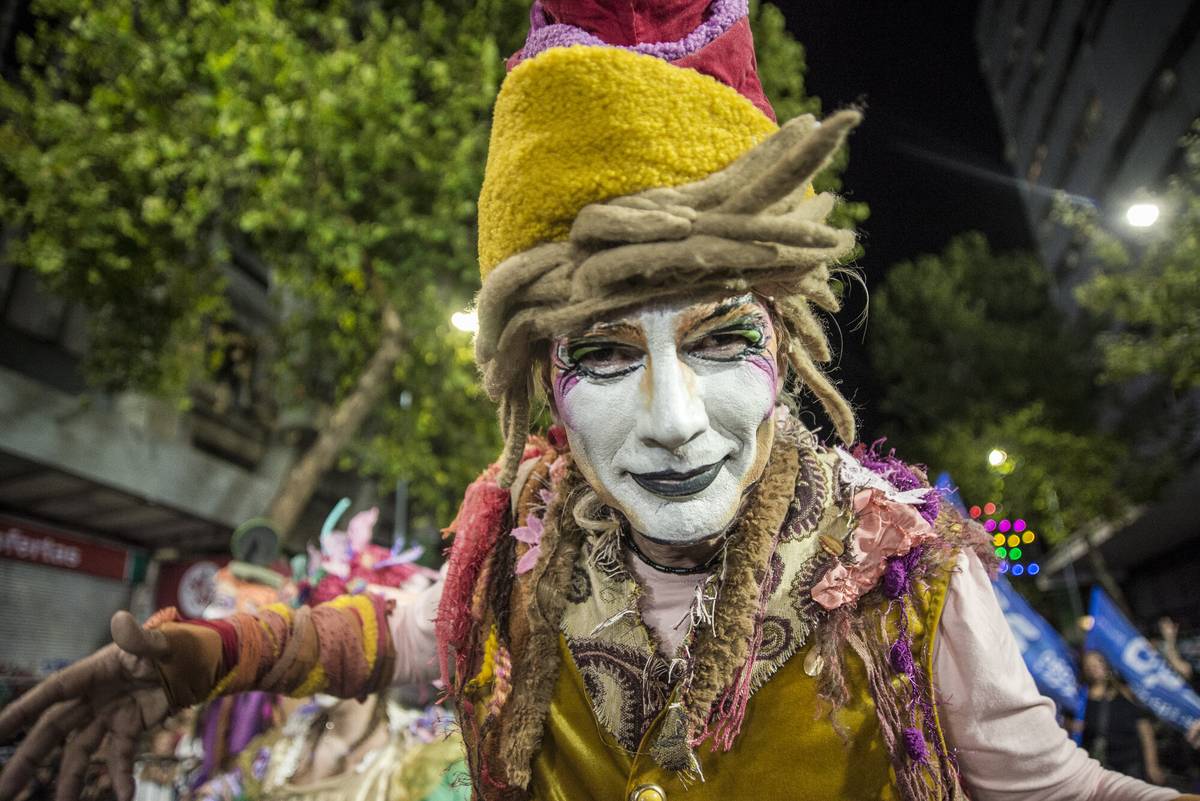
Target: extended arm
[[1169, 630], [1145, 731], [1009, 744], [346, 647]]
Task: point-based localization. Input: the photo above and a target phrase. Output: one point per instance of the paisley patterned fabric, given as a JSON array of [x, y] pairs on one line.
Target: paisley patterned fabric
[[627, 676]]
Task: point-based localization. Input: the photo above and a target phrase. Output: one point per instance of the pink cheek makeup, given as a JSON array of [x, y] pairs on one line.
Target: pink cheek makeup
[[562, 380], [563, 383]]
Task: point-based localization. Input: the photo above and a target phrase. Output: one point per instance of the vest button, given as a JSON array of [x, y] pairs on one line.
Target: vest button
[[648, 792]]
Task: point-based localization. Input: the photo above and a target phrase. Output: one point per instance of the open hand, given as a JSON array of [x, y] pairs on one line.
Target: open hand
[[105, 701]]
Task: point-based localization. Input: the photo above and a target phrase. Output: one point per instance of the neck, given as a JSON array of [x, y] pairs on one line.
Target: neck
[[678, 555]]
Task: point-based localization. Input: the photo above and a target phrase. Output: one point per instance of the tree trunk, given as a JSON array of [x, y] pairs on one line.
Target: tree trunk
[[343, 424]]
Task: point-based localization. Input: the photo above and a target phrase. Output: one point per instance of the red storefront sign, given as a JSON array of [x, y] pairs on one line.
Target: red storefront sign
[[30, 542]]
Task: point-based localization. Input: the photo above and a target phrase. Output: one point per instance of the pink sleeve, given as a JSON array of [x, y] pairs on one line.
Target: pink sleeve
[[1008, 742], [414, 637]]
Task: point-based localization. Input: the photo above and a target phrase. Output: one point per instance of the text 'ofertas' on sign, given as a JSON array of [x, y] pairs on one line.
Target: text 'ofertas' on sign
[[43, 549]]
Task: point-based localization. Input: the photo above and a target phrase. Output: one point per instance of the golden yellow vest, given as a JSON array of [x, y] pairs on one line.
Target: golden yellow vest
[[788, 749]]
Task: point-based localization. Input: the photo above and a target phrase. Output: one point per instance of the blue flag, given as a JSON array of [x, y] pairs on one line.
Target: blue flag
[[1152, 680], [1047, 656]]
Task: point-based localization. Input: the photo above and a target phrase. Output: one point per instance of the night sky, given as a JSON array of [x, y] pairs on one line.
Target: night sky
[[915, 67]]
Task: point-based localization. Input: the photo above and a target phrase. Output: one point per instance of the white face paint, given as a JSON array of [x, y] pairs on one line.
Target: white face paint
[[668, 411]]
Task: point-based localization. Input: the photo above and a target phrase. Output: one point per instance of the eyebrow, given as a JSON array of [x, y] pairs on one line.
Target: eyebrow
[[723, 309], [618, 329]]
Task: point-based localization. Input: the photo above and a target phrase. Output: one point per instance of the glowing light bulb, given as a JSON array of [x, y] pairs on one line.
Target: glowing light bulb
[[1002, 552], [467, 321], [1027, 537], [1013, 540], [1142, 215], [1034, 569], [1019, 525], [989, 526], [1014, 553], [998, 540], [1018, 570], [1005, 525], [975, 512], [997, 457], [989, 508]]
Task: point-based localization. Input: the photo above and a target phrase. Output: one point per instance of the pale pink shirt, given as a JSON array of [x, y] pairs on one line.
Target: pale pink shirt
[[1009, 744]]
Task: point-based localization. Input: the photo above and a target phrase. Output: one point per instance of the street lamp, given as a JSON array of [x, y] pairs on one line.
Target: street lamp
[[1142, 215], [467, 321]]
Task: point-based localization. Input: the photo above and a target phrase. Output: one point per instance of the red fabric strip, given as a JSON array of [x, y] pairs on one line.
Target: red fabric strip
[[229, 641]]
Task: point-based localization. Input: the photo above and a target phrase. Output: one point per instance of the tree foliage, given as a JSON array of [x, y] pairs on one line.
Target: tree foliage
[[1147, 295], [975, 356], [340, 145]]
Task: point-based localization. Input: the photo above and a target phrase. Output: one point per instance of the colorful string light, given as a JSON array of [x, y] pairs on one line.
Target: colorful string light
[[1008, 537]]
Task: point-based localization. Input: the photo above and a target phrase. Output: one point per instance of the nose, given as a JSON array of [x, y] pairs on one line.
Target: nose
[[673, 413]]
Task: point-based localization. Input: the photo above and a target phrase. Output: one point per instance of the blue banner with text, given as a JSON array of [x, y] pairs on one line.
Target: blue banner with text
[[1046, 654], [1144, 669]]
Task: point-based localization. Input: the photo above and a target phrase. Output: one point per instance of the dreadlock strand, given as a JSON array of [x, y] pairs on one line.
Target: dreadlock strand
[[514, 417], [832, 401]]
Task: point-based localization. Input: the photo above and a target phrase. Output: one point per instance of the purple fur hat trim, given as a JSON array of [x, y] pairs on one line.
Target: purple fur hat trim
[[544, 35]]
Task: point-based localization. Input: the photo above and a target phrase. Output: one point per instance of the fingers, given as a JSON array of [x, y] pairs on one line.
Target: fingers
[[68, 684], [53, 728], [76, 758], [131, 637], [128, 718], [120, 765]]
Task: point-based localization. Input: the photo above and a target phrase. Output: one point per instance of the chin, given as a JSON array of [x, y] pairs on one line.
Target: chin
[[684, 522]]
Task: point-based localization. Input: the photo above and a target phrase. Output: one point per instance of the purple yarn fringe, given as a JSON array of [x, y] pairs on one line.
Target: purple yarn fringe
[[544, 35], [914, 742], [899, 475], [901, 658]]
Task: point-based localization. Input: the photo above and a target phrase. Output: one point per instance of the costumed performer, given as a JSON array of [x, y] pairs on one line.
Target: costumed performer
[[679, 592], [332, 749]]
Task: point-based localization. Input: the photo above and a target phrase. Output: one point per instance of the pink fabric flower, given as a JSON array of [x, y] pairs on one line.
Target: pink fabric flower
[[834, 589], [885, 528], [530, 534]]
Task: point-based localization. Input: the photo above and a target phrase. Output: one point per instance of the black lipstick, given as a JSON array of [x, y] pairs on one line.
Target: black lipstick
[[674, 484]]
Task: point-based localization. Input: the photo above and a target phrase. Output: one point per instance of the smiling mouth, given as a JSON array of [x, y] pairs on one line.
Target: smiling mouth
[[674, 484]]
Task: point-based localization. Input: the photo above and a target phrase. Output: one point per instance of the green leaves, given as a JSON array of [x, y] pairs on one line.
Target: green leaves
[[1147, 293], [341, 147], [974, 356]]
